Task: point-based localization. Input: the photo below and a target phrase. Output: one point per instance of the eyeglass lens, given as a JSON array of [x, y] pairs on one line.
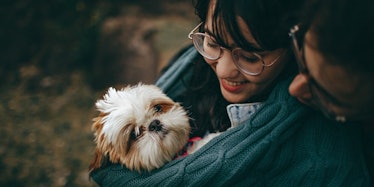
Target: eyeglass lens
[[250, 63]]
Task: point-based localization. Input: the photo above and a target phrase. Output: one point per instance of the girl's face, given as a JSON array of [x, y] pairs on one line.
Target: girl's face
[[238, 87]]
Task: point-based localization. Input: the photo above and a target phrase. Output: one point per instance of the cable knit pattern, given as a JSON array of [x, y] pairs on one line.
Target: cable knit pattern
[[283, 144]]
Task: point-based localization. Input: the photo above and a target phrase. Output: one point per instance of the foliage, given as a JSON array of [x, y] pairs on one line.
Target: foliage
[[46, 139], [48, 51], [56, 36]]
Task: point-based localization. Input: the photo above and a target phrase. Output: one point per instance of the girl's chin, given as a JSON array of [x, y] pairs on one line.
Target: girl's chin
[[234, 93], [234, 98]]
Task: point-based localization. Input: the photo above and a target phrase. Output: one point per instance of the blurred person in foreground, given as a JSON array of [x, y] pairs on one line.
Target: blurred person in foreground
[[334, 49]]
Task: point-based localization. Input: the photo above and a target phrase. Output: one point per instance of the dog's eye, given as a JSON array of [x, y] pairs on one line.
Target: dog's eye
[[158, 108], [133, 135]]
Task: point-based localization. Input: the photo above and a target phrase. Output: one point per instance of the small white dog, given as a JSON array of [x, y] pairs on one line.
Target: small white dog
[[139, 127]]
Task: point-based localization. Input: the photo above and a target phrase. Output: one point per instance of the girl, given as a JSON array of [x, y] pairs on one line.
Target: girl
[[237, 75]]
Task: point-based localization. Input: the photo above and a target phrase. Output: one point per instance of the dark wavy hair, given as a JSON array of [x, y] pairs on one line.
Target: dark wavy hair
[[269, 22], [343, 31]]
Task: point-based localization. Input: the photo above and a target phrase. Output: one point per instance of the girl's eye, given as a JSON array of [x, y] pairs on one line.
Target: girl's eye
[[210, 43], [248, 58], [158, 108]]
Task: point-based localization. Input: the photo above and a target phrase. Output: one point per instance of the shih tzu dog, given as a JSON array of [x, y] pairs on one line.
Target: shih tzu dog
[[139, 127]]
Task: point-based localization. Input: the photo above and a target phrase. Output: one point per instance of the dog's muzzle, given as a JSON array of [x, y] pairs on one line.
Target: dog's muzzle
[[155, 125]]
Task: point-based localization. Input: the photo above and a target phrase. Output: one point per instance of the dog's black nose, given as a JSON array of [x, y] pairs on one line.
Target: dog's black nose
[[155, 125]]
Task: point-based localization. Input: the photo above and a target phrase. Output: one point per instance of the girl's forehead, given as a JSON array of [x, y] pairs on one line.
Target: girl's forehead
[[244, 29], [223, 33]]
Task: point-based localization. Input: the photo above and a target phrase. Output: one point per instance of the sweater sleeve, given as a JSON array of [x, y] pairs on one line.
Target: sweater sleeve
[[274, 147]]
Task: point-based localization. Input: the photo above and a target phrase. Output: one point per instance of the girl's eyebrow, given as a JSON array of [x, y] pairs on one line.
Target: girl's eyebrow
[[210, 33], [250, 49]]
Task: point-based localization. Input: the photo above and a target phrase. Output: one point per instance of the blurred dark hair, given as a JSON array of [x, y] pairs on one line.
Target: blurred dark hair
[[343, 31], [268, 21]]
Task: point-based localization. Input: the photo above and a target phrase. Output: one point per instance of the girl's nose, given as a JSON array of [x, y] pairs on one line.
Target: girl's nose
[[225, 67], [299, 87]]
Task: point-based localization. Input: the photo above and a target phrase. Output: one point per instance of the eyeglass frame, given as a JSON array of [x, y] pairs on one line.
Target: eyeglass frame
[[239, 66], [319, 94]]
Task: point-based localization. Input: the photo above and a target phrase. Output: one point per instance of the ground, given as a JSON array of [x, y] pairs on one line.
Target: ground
[[57, 60]]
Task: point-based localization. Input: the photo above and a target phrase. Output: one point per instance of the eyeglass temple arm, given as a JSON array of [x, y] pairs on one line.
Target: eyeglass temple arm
[[193, 30], [296, 48], [292, 32]]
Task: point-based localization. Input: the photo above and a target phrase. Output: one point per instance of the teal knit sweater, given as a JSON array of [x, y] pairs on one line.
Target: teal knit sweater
[[283, 144]]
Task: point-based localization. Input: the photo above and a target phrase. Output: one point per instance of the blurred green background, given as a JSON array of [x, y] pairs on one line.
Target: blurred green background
[[56, 59]]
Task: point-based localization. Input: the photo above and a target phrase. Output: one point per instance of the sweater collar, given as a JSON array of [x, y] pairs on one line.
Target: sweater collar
[[239, 113]]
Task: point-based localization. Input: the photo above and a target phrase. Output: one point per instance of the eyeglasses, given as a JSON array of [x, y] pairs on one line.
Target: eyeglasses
[[320, 97], [247, 62]]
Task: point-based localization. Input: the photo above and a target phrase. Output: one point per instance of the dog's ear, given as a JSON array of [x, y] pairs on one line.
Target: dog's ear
[[97, 161], [99, 158], [97, 124]]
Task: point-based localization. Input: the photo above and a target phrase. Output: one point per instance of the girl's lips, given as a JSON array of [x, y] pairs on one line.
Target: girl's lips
[[233, 86]]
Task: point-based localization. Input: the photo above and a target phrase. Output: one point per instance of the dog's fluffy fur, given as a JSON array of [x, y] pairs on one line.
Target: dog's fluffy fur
[[139, 127]]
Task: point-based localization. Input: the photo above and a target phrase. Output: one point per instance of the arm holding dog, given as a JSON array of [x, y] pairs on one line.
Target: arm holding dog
[[261, 151]]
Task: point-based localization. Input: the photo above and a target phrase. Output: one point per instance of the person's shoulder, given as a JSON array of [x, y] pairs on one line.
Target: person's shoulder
[[178, 72], [182, 56]]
